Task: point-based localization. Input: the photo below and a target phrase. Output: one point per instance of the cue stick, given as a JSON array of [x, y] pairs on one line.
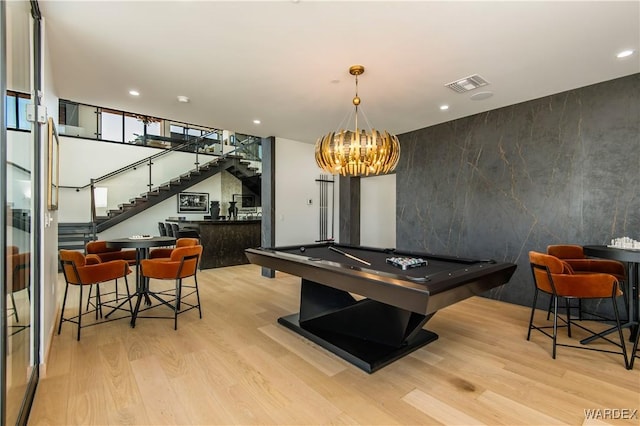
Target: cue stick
[[349, 255]]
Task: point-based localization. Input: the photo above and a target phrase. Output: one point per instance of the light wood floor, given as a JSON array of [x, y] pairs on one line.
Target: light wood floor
[[238, 366]]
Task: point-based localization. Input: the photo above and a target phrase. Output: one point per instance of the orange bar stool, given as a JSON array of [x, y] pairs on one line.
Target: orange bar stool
[[555, 277], [573, 255], [82, 271], [182, 264], [106, 254], [165, 252]]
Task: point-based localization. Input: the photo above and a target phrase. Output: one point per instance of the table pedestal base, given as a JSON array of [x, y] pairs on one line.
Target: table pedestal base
[[366, 355], [367, 333]]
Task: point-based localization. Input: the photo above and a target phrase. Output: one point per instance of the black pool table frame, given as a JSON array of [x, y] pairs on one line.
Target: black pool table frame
[[386, 323]]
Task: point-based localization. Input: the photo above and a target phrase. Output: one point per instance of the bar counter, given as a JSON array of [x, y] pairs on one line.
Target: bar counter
[[224, 241]]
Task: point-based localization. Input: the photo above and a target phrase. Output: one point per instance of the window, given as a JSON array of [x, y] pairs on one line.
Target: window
[[10, 108], [16, 110]]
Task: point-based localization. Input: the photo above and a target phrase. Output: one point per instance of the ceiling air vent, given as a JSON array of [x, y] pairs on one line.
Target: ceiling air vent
[[468, 83]]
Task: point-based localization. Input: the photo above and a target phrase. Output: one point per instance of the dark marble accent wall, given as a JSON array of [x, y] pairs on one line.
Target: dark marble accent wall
[[560, 169], [268, 196], [349, 216]]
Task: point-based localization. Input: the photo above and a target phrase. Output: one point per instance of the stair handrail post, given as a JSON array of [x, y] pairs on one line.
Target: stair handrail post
[[94, 233], [197, 163], [150, 183], [93, 201]]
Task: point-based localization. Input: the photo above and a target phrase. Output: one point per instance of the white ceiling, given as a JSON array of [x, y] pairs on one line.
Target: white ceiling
[[286, 62]]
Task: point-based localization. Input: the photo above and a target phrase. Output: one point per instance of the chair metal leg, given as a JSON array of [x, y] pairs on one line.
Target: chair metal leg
[[98, 304], [533, 309], [64, 302], [555, 324], [566, 301], [197, 296], [177, 305], [80, 313], [89, 298], [634, 350]]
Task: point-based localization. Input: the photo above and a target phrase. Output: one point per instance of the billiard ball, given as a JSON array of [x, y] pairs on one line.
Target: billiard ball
[[302, 249]]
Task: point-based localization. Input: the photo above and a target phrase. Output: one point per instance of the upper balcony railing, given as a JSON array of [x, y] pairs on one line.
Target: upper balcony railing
[[92, 122]]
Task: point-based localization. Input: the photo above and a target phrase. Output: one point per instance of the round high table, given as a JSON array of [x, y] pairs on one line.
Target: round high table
[[142, 246], [632, 258]]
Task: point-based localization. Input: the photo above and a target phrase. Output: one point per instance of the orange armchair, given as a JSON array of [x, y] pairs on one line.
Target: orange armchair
[[574, 256], [106, 254], [82, 271], [165, 252], [555, 277], [182, 264]]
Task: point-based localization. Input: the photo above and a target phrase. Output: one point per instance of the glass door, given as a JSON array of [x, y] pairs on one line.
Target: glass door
[[17, 187]]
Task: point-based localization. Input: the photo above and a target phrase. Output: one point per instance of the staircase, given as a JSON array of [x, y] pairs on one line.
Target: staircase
[[75, 236], [19, 218], [233, 164]]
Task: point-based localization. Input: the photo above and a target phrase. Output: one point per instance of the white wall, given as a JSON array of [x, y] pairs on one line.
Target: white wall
[[378, 211], [296, 174]]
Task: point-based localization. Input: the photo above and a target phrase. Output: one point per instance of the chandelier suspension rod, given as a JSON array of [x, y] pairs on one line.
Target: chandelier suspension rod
[[356, 103]]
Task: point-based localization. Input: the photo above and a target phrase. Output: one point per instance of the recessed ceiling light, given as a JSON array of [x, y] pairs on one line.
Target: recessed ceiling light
[[624, 53], [134, 93], [183, 99], [444, 107], [256, 121]]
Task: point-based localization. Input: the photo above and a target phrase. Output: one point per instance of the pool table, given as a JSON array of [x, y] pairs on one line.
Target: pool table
[[356, 304]]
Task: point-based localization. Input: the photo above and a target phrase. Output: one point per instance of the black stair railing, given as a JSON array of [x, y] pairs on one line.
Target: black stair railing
[[248, 149]]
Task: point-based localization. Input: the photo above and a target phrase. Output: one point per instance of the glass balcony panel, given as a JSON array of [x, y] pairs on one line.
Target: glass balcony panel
[[133, 130], [154, 128], [111, 126]]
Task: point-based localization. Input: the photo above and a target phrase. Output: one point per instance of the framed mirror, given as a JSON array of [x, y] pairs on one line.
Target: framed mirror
[[54, 167]]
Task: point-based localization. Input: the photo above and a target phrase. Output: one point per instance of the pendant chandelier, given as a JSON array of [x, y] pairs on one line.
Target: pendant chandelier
[[357, 153]]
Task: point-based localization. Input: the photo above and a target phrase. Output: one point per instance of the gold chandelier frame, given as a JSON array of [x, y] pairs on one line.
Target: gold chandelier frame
[[357, 153]]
